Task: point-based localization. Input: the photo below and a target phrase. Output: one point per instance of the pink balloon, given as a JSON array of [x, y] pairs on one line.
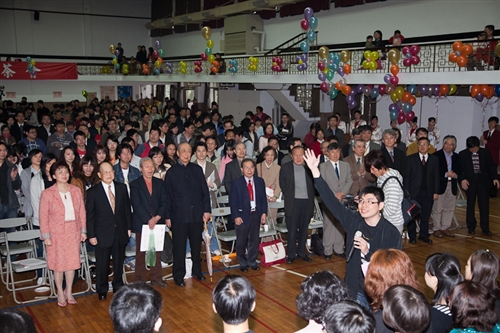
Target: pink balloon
[[324, 87], [401, 118], [410, 116], [406, 50], [155, 54], [381, 89], [414, 49], [279, 60], [321, 66], [394, 80], [204, 56], [407, 62], [415, 60], [304, 24]]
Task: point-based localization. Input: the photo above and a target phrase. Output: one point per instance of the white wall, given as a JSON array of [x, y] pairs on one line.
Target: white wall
[[73, 35]]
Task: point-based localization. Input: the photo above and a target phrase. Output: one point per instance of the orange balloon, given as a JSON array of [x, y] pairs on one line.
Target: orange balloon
[[444, 89], [347, 90], [338, 85], [457, 46], [462, 61], [475, 90], [412, 100], [491, 92], [145, 71], [214, 69], [406, 97], [485, 89], [347, 69], [467, 49], [215, 63], [452, 57], [395, 70]]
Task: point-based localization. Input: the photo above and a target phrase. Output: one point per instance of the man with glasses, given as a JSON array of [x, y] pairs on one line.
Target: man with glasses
[[422, 182], [366, 232]]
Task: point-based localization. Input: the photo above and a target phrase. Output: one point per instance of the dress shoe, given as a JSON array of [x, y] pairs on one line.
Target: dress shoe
[[200, 277], [244, 269], [341, 255], [448, 233], [160, 283], [412, 241], [305, 258], [425, 240], [438, 233], [102, 296], [255, 268], [179, 283], [328, 257], [487, 233], [471, 232], [289, 260]]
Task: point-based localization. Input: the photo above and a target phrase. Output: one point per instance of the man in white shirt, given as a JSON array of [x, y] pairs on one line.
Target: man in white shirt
[[434, 134]]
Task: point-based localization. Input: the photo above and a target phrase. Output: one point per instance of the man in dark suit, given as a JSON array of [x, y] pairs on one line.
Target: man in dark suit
[[233, 168], [45, 129], [449, 169], [17, 129], [491, 141], [248, 210], [395, 158], [422, 182], [148, 198], [333, 130], [187, 206], [109, 225], [478, 172], [297, 186]]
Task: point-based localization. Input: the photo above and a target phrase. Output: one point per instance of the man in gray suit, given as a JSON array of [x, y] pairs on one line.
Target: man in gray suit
[[366, 136], [337, 175]]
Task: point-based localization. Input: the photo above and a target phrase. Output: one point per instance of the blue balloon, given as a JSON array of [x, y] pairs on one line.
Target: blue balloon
[[407, 107], [497, 90], [412, 89], [28, 59], [313, 23], [304, 46], [374, 93], [311, 35], [333, 66], [331, 56], [393, 115], [336, 58]]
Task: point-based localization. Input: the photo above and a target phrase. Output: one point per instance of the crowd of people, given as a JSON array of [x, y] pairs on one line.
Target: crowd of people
[[121, 166]]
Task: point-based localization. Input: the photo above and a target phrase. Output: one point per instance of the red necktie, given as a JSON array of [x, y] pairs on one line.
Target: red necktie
[[423, 160], [250, 190]]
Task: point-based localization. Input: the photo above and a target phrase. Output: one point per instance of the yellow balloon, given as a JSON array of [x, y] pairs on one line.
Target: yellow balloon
[[323, 52], [399, 92], [394, 55], [453, 89], [301, 62], [112, 49], [374, 55], [206, 32], [394, 96], [373, 65], [210, 43], [114, 61], [345, 56], [125, 71], [182, 70], [367, 54], [365, 64], [211, 58], [326, 70]]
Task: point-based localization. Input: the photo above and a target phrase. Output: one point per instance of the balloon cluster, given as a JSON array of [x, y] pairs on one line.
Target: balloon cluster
[[253, 64], [393, 55], [411, 55], [233, 66], [328, 64], [183, 67], [461, 51], [206, 32], [401, 109], [106, 70], [277, 61], [482, 91], [370, 61], [158, 55], [302, 62], [169, 68], [125, 69], [145, 69], [436, 90], [197, 66], [116, 54], [214, 66], [31, 67]]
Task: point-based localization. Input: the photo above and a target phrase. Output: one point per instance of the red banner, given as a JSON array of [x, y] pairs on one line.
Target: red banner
[[16, 70]]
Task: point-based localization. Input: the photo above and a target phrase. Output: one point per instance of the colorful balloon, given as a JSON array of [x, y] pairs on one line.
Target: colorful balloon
[[206, 32], [323, 52]]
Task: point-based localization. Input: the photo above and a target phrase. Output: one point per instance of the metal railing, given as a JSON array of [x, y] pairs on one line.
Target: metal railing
[[433, 59]]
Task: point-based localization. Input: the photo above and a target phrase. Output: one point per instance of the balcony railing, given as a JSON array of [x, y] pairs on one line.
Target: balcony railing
[[433, 59]]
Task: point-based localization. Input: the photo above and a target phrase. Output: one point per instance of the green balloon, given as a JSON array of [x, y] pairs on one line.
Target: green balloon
[[334, 93], [117, 66], [161, 53], [208, 51], [329, 75]]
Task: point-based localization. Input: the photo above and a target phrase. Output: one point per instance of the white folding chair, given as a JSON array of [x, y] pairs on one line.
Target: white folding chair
[[84, 269], [220, 216], [15, 248], [222, 191], [316, 220], [459, 202], [30, 264], [129, 252], [223, 201], [225, 236]]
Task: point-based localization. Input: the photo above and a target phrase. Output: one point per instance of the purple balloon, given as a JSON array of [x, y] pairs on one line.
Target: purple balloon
[[423, 89], [479, 97], [300, 68], [353, 104], [117, 53], [340, 70], [303, 56], [308, 13], [393, 108], [305, 65], [349, 98], [158, 44], [436, 90], [168, 70], [359, 88], [322, 76], [387, 78]]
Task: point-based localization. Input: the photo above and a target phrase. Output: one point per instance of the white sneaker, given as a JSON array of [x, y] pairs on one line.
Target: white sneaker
[[216, 252], [40, 281], [165, 265]]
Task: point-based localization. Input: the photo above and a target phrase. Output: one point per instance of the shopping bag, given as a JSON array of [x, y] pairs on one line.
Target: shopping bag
[[273, 253]]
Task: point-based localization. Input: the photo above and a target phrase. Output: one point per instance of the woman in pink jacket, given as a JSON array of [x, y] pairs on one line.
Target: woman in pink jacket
[[63, 228]]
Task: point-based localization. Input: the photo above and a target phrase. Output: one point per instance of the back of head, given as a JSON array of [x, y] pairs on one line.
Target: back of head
[[135, 308], [406, 309], [445, 267], [318, 292], [234, 299], [348, 317], [16, 321], [484, 268]]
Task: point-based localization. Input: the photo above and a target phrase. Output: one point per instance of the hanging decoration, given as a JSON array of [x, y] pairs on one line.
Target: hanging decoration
[[309, 23], [233, 66], [276, 67], [411, 55], [182, 67], [253, 64], [461, 51], [31, 67]]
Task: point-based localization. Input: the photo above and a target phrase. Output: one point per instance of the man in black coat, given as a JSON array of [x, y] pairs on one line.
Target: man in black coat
[[296, 183], [45, 129], [233, 168], [187, 206], [449, 170], [422, 182], [109, 225], [478, 172], [148, 198], [395, 158]]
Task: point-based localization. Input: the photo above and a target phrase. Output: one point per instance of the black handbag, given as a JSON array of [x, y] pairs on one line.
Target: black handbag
[[409, 206]]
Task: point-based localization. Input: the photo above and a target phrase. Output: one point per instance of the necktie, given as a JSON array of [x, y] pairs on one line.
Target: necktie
[[489, 134], [359, 162], [337, 171], [392, 155], [423, 160], [21, 128], [111, 198], [250, 190]]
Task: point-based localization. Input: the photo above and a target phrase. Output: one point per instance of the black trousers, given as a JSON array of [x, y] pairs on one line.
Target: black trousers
[[297, 224], [180, 233], [247, 237], [102, 258], [424, 198], [479, 187]]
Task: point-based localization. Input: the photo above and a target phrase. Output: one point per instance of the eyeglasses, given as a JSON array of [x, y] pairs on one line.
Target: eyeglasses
[[369, 202]]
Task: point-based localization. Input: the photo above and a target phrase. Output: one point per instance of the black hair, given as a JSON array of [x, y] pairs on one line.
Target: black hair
[[333, 146], [123, 146], [376, 191], [495, 119], [490, 27], [245, 160], [208, 126], [233, 298], [397, 32], [229, 144], [472, 142], [265, 150], [348, 316], [34, 152], [421, 129], [61, 164], [446, 268], [201, 144], [78, 133], [59, 122], [406, 309], [16, 321], [431, 119], [135, 308]]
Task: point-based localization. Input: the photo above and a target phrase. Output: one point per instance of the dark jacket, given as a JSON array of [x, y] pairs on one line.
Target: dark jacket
[[487, 166], [12, 185], [145, 205], [399, 160], [414, 180], [287, 185], [233, 171], [239, 200], [456, 166], [133, 173]]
